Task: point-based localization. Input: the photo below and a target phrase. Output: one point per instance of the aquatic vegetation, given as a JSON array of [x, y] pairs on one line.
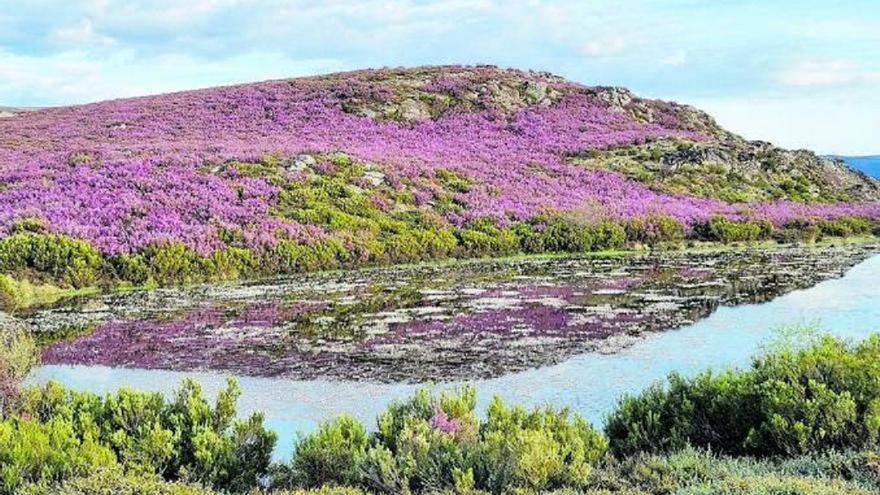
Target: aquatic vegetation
[[418, 323]]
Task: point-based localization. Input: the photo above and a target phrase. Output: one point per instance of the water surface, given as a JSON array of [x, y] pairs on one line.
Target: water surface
[[589, 383]]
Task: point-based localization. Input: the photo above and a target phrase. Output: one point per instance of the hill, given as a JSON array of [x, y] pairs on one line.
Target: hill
[[398, 164]]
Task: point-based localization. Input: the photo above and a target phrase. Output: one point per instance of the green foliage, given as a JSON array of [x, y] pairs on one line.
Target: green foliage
[[34, 451], [814, 399], [846, 226], [112, 482], [434, 444], [701, 472], [54, 256], [18, 355], [183, 439], [333, 455], [798, 232], [654, 230], [721, 229], [538, 450]]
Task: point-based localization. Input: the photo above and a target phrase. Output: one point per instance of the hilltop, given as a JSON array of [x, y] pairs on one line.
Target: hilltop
[[397, 165]]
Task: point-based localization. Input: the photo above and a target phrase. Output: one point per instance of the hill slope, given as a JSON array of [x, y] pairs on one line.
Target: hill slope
[[365, 156]]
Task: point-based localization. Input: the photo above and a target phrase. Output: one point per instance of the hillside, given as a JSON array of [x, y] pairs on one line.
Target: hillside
[[395, 165]]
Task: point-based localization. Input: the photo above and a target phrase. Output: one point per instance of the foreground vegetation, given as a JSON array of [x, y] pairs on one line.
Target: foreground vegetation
[[38, 267], [799, 421]]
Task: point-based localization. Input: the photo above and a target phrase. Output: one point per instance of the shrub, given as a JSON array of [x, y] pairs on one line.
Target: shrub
[[538, 450], [332, 455], [173, 263], [293, 257], [697, 471], [55, 257], [435, 444], [798, 232], [823, 397], [654, 230], [46, 452], [565, 236], [608, 236], [845, 226], [112, 482], [183, 439], [721, 229], [18, 355]]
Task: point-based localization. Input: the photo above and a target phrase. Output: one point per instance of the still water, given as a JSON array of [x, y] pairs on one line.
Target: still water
[[589, 383]]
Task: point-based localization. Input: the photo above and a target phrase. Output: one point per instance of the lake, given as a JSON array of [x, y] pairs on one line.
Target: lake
[[740, 311]]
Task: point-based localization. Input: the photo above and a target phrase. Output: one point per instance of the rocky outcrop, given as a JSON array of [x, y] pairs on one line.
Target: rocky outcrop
[[720, 164], [6, 112]]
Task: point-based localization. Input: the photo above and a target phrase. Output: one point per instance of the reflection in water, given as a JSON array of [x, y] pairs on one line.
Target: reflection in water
[[589, 383], [428, 323]]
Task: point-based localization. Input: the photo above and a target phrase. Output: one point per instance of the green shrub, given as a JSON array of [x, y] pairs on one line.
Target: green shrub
[[54, 257], [332, 455], [46, 452], [182, 439], [538, 450], [823, 397], [654, 230], [561, 236], [846, 226], [437, 444], [608, 235], [112, 482], [798, 232], [722, 229], [18, 355], [772, 485], [482, 237], [696, 471]]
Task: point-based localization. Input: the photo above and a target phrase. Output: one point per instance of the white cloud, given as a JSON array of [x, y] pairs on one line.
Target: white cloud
[[675, 59], [79, 35], [818, 73], [605, 47], [78, 77], [833, 123]]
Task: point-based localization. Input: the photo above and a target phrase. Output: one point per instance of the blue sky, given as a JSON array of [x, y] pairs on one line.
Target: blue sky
[[801, 73]]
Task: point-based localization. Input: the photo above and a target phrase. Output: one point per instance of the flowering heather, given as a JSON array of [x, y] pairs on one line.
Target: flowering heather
[[129, 173]]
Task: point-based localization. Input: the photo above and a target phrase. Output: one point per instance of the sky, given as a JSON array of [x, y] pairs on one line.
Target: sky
[[799, 73]]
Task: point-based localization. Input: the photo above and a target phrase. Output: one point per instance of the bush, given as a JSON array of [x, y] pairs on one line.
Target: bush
[[332, 455], [721, 229], [538, 450], [654, 230], [846, 226], [820, 398], [183, 439], [46, 452], [798, 232], [54, 257], [428, 445], [696, 471], [113, 482], [18, 355]]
